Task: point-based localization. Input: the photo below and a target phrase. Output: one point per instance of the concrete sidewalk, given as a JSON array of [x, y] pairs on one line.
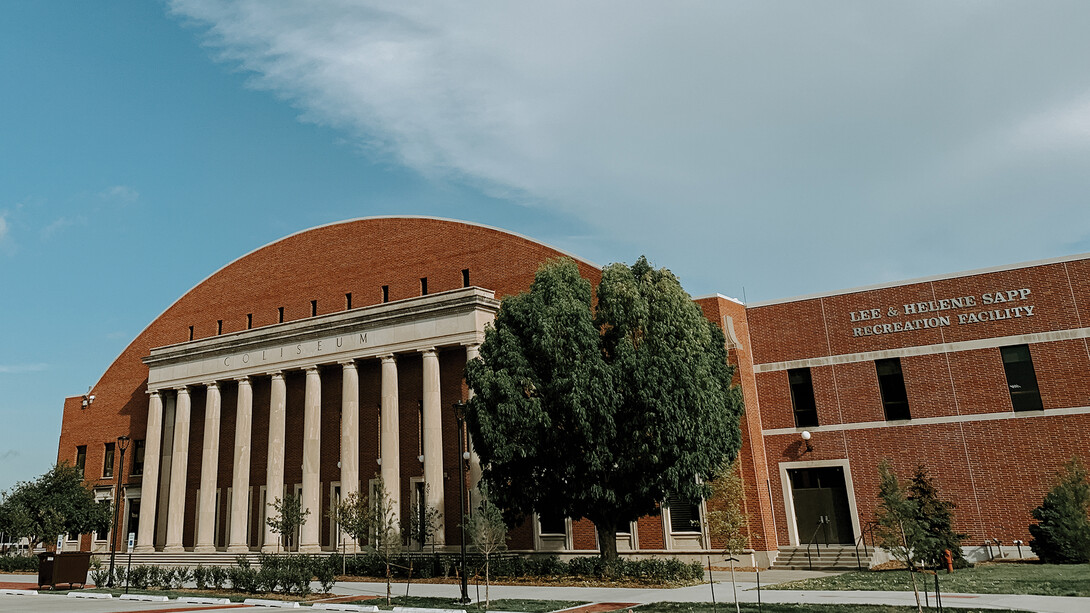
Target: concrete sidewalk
[[698, 593]]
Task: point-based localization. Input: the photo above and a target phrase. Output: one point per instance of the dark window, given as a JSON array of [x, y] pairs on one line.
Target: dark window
[[551, 524], [684, 515], [108, 461], [81, 458], [249, 320], [219, 326], [465, 277], [348, 300], [280, 314], [891, 383], [423, 286], [190, 332], [138, 457], [313, 308], [1021, 378], [802, 397], [385, 293]]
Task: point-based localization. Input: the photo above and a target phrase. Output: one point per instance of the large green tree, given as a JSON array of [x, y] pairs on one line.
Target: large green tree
[[55, 503], [601, 411], [1062, 532]]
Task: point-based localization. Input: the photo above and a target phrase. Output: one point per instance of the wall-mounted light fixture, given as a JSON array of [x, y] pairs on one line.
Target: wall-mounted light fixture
[[806, 436], [88, 399]]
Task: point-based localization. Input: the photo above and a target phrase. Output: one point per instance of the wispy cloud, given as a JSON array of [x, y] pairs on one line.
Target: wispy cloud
[[830, 137], [22, 368], [3, 226], [120, 194], [9, 454], [59, 224]]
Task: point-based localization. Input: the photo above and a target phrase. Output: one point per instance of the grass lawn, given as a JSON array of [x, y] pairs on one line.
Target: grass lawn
[[706, 607], [1006, 578], [506, 604]]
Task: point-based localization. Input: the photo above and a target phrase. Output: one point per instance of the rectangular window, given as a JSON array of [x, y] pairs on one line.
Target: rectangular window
[[684, 515], [1021, 378], [891, 384], [465, 277], [423, 286], [249, 320], [348, 301], [280, 314], [138, 457], [219, 326], [385, 293], [551, 524], [802, 397], [190, 332], [313, 308], [108, 461], [81, 458]]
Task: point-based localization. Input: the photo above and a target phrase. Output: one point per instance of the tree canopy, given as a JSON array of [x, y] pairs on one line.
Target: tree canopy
[[1062, 532], [53, 504], [601, 411]]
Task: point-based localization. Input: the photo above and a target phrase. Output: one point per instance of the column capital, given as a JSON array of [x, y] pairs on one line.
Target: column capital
[[152, 392], [311, 369], [387, 358], [243, 379], [350, 362], [276, 374], [182, 389], [212, 384], [428, 350]]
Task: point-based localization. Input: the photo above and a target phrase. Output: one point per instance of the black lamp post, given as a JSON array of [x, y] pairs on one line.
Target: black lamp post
[[460, 414], [122, 444]]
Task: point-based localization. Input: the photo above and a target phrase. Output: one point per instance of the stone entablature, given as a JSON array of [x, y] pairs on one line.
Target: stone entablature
[[452, 318]]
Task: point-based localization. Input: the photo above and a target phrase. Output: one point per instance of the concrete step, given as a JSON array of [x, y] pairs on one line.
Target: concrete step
[[831, 557]]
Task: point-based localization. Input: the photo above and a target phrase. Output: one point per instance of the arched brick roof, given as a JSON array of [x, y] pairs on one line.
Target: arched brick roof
[[323, 264]]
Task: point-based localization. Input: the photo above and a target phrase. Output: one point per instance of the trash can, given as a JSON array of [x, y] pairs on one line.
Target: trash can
[[69, 568]]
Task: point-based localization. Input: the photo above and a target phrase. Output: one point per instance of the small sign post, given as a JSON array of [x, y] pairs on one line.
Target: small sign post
[[132, 541], [60, 542]]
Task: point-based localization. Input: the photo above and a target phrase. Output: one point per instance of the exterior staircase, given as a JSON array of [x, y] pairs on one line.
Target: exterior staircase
[[832, 557], [189, 559]]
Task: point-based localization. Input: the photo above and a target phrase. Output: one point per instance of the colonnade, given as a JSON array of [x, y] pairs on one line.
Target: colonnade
[[309, 539]]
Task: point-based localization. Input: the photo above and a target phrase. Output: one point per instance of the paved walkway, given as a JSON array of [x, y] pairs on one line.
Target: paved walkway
[[698, 593]]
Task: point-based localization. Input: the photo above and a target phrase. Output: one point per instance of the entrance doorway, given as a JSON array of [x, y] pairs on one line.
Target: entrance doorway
[[822, 510]]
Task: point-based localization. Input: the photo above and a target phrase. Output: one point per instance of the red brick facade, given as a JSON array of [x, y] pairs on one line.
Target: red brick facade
[[994, 462]]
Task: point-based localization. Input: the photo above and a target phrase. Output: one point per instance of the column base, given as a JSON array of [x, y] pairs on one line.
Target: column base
[[310, 548], [238, 549], [173, 549], [144, 549], [204, 549], [270, 549]]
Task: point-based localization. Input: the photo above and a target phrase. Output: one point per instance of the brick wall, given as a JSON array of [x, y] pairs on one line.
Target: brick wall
[[997, 469]]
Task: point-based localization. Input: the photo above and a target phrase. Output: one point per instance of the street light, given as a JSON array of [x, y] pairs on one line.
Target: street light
[[122, 444], [460, 414]]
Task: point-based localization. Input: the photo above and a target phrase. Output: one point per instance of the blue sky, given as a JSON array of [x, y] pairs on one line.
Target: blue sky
[[770, 149]]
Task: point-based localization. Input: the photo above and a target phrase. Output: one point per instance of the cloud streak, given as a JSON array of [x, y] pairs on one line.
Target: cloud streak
[[14, 369], [787, 137]]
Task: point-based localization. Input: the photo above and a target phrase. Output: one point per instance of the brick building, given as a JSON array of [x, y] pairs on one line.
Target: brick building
[[333, 357]]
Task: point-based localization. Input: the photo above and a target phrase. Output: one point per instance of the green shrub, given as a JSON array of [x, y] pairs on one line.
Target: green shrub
[[138, 577], [201, 576], [217, 575], [1062, 532], [19, 563], [243, 578]]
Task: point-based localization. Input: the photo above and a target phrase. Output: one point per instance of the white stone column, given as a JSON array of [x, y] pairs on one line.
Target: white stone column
[[210, 459], [312, 445], [149, 483], [350, 435], [240, 483], [274, 480], [390, 450], [178, 468], [472, 353], [433, 441]]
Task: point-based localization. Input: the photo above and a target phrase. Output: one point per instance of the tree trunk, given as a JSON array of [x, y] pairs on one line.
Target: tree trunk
[[607, 540], [487, 602]]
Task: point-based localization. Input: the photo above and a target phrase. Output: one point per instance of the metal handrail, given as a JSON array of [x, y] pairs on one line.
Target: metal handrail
[[867, 527], [809, 560]]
